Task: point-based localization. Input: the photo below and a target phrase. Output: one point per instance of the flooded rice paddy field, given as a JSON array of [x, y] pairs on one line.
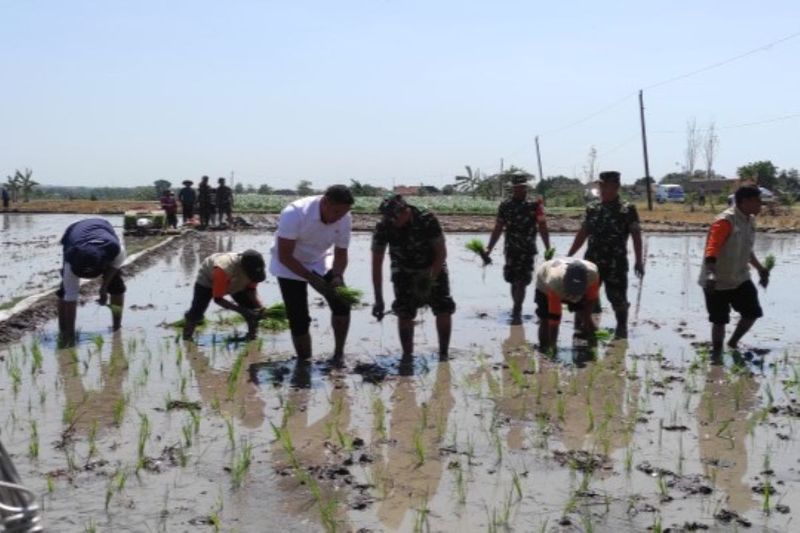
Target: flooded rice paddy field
[[31, 255], [137, 431]]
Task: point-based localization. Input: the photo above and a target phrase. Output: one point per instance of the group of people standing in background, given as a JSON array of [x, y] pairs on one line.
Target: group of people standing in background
[[212, 205]]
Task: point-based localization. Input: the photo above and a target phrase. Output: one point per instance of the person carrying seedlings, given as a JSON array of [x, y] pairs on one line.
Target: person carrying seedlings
[[229, 273], [91, 249], [204, 201], [520, 216], [301, 255], [224, 202], [187, 197], [575, 282], [419, 271], [170, 207], [725, 273], [607, 224]]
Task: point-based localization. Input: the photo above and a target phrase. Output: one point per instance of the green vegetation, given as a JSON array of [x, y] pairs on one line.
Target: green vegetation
[[769, 262], [475, 245], [349, 295]]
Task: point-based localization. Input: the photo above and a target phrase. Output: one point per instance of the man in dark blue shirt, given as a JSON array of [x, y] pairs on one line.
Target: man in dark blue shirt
[[91, 249]]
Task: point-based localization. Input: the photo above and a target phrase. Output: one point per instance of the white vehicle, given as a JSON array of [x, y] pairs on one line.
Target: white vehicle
[[670, 193]]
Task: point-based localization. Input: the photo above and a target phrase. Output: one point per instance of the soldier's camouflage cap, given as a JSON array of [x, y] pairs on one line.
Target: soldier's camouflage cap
[[609, 176], [391, 206], [519, 178]]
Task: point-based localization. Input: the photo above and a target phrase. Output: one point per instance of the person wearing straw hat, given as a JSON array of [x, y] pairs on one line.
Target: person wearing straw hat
[[565, 280], [187, 197], [521, 217]]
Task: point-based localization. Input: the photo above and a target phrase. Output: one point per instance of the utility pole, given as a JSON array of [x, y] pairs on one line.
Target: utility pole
[[501, 165], [644, 149], [539, 159]]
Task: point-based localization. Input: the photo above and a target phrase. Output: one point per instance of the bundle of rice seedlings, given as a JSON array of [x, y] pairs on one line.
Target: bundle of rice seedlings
[[549, 253], [476, 245], [349, 295], [276, 311], [769, 262]]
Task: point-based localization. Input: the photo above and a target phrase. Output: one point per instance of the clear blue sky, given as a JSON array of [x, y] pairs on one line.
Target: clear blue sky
[[112, 92]]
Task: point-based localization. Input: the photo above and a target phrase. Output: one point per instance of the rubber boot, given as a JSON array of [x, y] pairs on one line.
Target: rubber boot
[[622, 324]]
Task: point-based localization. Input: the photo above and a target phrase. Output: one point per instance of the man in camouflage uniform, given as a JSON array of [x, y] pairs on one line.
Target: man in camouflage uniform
[[419, 271], [607, 224], [204, 201], [520, 216]]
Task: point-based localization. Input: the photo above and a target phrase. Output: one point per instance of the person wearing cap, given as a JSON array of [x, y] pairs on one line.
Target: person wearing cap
[[187, 197], [229, 273], [607, 224], [725, 272], [224, 202], [569, 280], [419, 270], [521, 217], [170, 207], [205, 202], [91, 249], [310, 248]]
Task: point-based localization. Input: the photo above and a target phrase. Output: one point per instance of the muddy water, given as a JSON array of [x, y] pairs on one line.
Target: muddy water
[[31, 255], [645, 431]]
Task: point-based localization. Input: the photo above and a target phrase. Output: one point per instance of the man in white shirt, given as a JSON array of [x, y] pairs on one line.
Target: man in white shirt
[[301, 255], [91, 249]]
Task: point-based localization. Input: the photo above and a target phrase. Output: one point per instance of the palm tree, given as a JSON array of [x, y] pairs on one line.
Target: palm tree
[[470, 183], [26, 183], [13, 185]]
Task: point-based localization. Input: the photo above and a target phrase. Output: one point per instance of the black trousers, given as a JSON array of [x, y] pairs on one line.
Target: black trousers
[[295, 298]]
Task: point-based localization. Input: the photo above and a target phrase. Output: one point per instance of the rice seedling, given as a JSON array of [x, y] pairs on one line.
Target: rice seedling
[[119, 409], [92, 440], [419, 447], [33, 444], [51, 484], [379, 414], [91, 527], [516, 375], [36, 352], [517, 484], [461, 486], [349, 295], [236, 370], [231, 432], [421, 521], [144, 436], [241, 463], [549, 253]]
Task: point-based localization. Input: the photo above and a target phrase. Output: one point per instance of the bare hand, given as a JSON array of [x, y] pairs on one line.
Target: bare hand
[[103, 298], [639, 270], [378, 310], [764, 278]]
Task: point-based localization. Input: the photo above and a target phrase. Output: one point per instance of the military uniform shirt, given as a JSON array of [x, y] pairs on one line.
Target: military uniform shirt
[[608, 225], [520, 218], [410, 247]]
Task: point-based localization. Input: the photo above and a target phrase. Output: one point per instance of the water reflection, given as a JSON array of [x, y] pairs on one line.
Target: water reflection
[[415, 428], [723, 416], [239, 398], [87, 408]]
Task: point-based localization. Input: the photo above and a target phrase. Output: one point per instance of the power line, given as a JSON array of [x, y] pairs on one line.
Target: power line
[[724, 62], [740, 125], [673, 79]]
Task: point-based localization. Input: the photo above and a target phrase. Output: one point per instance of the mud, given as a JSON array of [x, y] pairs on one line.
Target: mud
[[139, 431]]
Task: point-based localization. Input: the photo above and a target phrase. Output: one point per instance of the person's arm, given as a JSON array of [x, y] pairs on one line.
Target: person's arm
[[378, 254], [718, 235], [580, 238], [543, 231], [495, 236], [553, 320], [339, 265], [763, 273], [287, 258], [439, 256], [636, 236], [219, 288]]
